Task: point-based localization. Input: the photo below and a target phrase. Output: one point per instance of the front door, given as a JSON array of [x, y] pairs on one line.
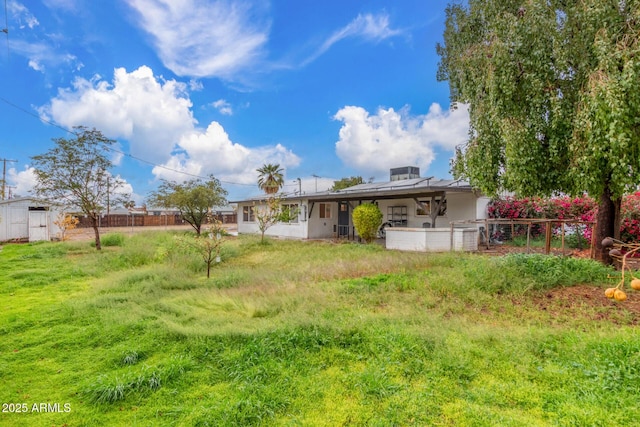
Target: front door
[[343, 219]]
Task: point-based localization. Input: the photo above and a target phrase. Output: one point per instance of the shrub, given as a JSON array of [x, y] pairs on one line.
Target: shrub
[[112, 239], [367, 219]]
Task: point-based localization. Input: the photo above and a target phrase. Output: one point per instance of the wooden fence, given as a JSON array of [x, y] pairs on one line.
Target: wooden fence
[[120, 220]]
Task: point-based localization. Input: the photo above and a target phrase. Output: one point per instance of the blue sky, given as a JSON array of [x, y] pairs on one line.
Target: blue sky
[[198, 87]]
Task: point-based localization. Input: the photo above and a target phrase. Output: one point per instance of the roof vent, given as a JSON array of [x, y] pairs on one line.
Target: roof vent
[[405, 172]]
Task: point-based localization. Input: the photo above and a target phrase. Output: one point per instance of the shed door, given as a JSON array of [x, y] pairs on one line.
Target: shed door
[[38, 225]]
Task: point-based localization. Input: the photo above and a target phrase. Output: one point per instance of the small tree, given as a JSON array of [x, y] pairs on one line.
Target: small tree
[[75, 173], [346, 183], [367, 218], [207, 244], [270, 178], [65, 222], [268, 215], [193, 198]]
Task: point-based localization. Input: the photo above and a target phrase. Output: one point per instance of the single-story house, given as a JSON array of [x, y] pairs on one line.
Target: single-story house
[[27, 218], [407, 201]]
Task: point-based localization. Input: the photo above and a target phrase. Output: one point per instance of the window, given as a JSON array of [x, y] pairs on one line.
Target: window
[[248, 214], [325, 211], [289, 213], [424, 208]]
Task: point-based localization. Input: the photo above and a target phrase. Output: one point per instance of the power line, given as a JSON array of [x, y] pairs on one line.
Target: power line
[[42, 119]]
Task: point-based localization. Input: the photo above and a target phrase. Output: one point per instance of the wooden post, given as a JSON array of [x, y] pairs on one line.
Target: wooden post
[[563, 237], [547, 238], [528, 236]]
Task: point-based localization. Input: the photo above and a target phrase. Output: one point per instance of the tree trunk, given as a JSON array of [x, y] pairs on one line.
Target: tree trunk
[[606, 219], [96, 231]]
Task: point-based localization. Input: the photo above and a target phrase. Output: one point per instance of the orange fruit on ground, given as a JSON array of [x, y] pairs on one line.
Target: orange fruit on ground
[[609, 292], [635, 284], [619, 295]]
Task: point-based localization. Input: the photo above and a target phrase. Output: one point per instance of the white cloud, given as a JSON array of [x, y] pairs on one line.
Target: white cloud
[[23, 181], [155, 116], [21, 15], [205, 39], [369, 27], [223, 107], [152, 114], [40, 55], [374, 144], [211, 151]]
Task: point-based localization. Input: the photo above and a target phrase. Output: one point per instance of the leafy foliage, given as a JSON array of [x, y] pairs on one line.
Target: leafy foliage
[[65, 222], [194, 198], [270, 178], [207, 246], [75, 173], [367, 219], [579, 208], [346, 183], [553, 97]]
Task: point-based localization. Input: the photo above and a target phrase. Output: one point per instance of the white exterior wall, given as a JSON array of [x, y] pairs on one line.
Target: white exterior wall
[[460, 206], [432, 239], [323, 228], [14, 219], [297, 230]]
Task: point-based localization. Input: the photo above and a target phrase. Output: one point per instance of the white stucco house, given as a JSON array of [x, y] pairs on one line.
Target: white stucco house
[[27, 218], [407, 202]]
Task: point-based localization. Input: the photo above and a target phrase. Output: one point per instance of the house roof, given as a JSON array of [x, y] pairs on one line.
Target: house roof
[[415, 187], [21, 199]]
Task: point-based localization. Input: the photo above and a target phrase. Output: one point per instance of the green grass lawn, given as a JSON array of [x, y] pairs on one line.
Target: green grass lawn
[[305, 333]]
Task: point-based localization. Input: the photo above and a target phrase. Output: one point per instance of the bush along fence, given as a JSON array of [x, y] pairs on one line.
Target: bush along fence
[[548, 235], [570, 218]]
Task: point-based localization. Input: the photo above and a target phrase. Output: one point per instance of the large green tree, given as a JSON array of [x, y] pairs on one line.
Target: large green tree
[[194, 198], [554, 97], [75, 173]]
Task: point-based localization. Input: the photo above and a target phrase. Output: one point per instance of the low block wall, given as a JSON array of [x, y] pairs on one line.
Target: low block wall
[[432, 239]]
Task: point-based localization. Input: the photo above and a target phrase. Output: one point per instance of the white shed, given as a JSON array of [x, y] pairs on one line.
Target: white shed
[[27, 218]]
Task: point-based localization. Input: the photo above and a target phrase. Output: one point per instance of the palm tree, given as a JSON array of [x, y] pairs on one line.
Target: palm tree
[[270, 179]]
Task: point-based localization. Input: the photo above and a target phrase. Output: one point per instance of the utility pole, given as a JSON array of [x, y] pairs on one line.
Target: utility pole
[[4, 175], [316, 177]]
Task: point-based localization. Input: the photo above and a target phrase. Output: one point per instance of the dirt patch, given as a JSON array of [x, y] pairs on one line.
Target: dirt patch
[[589, 301]]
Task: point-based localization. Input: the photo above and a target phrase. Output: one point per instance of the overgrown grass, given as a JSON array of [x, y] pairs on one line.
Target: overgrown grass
[[306, 333]]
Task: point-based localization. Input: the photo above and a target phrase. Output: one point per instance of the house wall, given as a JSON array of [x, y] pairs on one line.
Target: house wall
[[14, 219], [432, 239], [460, 206], [297, 230], [322, 228]]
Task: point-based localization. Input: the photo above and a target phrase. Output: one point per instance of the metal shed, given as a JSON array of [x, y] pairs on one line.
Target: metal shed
[[27, 218]]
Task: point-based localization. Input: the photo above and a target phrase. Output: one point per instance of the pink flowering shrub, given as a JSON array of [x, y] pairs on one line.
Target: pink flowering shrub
[[582, 209]]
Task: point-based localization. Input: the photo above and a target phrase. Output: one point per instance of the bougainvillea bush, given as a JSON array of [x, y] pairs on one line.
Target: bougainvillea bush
[[581, 209]]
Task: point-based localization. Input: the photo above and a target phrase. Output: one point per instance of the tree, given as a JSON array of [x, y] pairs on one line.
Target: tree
[[553, 98], [208, 245], [65, 222], [194, 198], [75, 173], [270, 178], [346, 183], [267, 215], [367, 219]]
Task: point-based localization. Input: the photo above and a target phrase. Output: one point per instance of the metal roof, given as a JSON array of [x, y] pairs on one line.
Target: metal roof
[[416, 187]]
